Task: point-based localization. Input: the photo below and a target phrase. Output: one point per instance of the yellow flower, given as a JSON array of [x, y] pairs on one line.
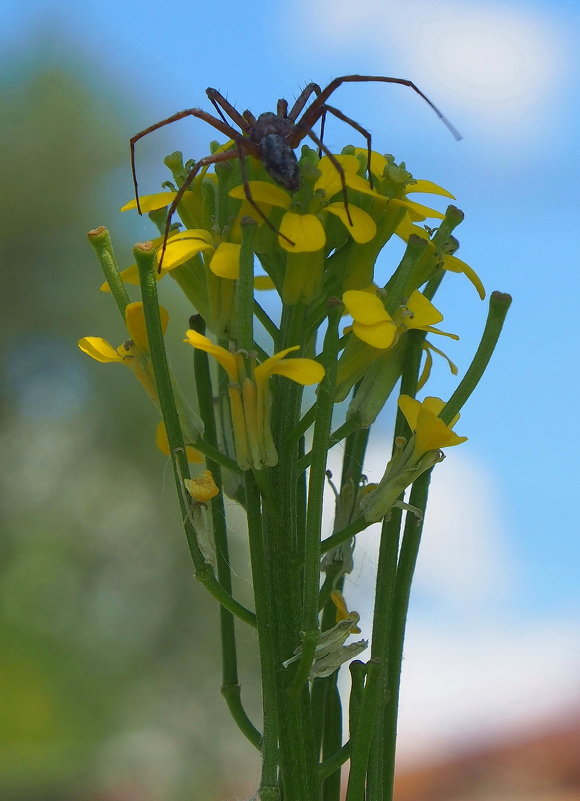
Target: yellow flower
[[159, 200], [374, 325], [342, 612], [250, 397], [191, 453], [203, 488], [134, 353], [430, 432], [449, 262], [411, 459], [306, 230]]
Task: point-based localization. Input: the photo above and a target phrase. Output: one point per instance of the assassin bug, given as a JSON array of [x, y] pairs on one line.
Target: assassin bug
[[272, 138]]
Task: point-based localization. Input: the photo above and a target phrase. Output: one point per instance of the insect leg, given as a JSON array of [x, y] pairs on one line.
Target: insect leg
[[223, 127], [338, 168]]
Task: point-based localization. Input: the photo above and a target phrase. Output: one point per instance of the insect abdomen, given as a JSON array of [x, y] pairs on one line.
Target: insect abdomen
[[280, 160]]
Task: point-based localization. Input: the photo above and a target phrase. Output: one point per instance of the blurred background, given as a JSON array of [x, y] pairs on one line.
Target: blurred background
[[109, 678]]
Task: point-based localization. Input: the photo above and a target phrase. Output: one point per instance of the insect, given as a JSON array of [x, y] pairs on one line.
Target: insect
[[272, 138]]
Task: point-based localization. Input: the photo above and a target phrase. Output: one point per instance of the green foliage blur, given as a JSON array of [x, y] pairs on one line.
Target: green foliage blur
[[109, 650]]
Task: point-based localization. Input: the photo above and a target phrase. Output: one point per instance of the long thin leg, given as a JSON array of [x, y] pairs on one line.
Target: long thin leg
[[248, 194], [311, 88], [338, 113], [223, 127], [220, 102], [315, 110], [339, 169]]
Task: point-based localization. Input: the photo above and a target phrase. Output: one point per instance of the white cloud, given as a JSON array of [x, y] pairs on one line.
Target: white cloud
[[495, 64], [486, 683]]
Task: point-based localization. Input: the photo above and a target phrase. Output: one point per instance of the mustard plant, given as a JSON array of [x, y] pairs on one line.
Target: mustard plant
[[307, 300]]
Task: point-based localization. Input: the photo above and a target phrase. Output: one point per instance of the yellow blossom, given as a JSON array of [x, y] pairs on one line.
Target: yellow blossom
[[375, 326], [134, 353], [306, 231], [203, 488], [191, 453], [250, 397], [342, 612], [430, 432]]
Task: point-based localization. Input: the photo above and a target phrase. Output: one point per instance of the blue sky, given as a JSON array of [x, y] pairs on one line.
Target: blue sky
[[507, 76]]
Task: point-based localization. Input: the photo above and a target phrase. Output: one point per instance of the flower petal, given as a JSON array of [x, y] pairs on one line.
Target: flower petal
[[225, 262], [422, 311], [379, 335], [151, 202], [329, 181], [265, 369], [303, 371], [183, 247], [191, 453], [419, 212], [99, 349], [135, 322], [410, 408], [457, 266], [406, 228], [365, 307], [263, 192], [429, 188], [203, 488], [378, 161], [363, 227], [221, 355], [431, 433], [304, 230]]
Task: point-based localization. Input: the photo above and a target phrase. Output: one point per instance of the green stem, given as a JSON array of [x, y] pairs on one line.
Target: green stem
[[499, 304], [332, 737], [268, 663], [400, 606], [331, 724], [231, 689], [245, 287], [268, 324], [334, 762], [100, 239], [345, 534], [384, 593], [146, 262], [305, 422], [317, 478], [377, 666], [284, 543], [214, 455], [232, 696]]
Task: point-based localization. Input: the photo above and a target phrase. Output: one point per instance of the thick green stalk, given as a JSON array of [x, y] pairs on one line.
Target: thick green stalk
[[264, 618], [284, 543], [405, 571], [377, 667], [245, 288], [316, 483], [100, 239], [499, 304]]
